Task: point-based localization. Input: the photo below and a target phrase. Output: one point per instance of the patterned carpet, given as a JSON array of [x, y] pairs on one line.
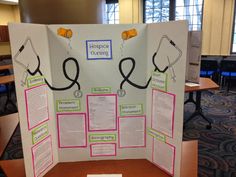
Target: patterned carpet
[[217, 147], [14, 148]]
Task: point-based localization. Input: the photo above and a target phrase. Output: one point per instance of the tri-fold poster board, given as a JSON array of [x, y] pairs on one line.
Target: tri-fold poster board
[[194, 57], [99, 92]]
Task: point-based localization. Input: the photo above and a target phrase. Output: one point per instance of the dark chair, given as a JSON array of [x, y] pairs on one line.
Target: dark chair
[[3, 91], [4, 88], [4, 72], [208, 68], [227, 72]]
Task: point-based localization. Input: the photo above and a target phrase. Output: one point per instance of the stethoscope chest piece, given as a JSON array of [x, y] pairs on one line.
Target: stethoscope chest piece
[[78, 93], [121, 92]]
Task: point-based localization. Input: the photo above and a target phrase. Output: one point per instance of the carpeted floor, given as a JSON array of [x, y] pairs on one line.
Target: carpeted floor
[[217, 147], [14, 147]]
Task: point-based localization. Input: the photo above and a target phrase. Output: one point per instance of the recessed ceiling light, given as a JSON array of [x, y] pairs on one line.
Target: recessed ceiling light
[[13, 2]]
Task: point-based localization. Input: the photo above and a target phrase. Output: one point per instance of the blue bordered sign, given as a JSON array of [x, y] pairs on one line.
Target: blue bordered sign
[[99, 49]]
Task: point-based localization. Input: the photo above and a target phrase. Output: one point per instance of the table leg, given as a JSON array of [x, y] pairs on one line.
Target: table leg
[[190, 99], [228, 84], [198, 111], [9, 101]]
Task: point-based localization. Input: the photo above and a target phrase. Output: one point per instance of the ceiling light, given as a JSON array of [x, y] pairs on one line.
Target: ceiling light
[[12, 2]]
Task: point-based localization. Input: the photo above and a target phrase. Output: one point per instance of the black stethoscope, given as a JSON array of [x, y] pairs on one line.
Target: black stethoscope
[[121, 92], [77, 93]]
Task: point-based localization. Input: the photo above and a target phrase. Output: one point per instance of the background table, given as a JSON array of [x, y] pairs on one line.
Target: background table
[[7, 80], [204, 84], [5, 67], [189, 163], [8, 125], [13, 168]]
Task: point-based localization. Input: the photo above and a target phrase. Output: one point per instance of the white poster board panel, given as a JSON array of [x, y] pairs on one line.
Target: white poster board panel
[[99, 70], [25, 57], [167, 53], [125, 64]]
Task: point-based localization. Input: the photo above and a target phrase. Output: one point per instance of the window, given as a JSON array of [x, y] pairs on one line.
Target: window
[[112, 12], [165, 10], [233, 47], [190, 10], [156, 11]]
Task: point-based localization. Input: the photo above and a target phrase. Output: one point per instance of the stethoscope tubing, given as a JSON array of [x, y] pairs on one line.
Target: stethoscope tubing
[[126, 77], [37, 70]]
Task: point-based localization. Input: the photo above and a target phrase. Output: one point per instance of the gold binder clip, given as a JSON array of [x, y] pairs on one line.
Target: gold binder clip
[[67, 33]]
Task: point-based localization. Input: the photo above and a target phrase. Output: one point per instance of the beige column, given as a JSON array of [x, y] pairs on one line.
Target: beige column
[[217, 24], [62, 11], [16, 13], [227, 27], [8, 14], [131, 11]]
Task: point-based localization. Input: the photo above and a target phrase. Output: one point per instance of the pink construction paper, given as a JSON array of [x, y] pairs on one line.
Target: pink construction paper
[[27, 109], [33, 157], [89, 117], [173, 113], [173, 160], [58, 128], [102, 155], [132, 117]]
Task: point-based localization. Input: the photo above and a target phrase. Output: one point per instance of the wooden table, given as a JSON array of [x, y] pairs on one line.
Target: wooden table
[[13, 168], [189, 163], [8, 125], [5, 67], [204, 84], [5, 57], [129, 168], [7, 79]]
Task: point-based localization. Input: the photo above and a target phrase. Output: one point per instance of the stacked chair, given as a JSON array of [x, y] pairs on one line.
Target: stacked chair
[[209, 68], [227, 73]]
